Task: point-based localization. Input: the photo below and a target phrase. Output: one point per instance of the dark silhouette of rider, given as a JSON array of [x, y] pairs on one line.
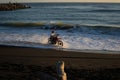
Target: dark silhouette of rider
[[53, 37]]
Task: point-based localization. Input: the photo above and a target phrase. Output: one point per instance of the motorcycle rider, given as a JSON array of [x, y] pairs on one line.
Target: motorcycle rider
[[53, 37]]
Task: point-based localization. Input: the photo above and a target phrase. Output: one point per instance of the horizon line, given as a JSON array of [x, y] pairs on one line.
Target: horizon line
[[58, 2]]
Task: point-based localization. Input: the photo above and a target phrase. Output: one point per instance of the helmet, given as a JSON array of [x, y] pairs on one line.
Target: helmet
[[53, 31]]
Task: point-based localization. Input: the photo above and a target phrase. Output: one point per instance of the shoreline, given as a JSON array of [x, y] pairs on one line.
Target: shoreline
[[68, 50]]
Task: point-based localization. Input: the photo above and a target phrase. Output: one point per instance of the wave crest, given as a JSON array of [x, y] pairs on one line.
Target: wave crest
[[99, 29]]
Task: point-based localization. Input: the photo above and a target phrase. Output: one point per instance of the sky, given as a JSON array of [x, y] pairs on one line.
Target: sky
[[6, 1]]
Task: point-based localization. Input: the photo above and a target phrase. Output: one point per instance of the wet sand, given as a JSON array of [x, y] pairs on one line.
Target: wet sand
[[47, 57], [75, 62]]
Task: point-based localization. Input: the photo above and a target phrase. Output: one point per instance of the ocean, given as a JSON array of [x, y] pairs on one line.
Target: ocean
[[82, 26]]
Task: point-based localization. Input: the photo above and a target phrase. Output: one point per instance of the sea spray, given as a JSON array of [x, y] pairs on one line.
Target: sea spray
[[44, 39], [65, 44]]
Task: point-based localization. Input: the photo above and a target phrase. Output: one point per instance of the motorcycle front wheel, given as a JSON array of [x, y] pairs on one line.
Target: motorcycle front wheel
[[60, 43]]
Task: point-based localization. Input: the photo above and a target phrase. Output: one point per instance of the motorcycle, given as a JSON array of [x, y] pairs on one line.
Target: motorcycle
[[55, 40]]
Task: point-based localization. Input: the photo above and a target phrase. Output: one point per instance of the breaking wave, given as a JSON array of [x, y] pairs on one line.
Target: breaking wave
[[74, 36], [98, 29]]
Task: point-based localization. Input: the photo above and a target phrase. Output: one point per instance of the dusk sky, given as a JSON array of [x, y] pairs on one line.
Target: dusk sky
[[4, 1]]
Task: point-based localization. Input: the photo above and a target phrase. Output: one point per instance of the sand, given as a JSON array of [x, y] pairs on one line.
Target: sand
[[78, 62], [48, 57]]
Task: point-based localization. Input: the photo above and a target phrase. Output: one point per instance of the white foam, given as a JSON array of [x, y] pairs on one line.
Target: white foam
[[65, 44], [70, 40]]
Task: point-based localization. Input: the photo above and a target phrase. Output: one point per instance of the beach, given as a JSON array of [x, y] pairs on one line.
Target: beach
[[90, 33], [44, 60], [49, 57]]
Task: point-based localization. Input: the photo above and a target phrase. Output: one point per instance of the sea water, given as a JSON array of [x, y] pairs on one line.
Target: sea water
[[82, 26]]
